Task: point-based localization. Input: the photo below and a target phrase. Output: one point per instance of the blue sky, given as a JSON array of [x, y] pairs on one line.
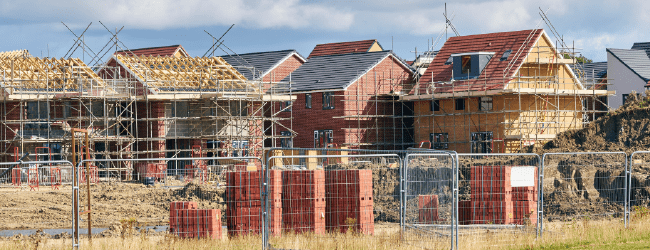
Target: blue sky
[[265, 25]]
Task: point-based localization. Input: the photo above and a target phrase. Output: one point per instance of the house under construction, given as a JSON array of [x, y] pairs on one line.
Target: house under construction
[[135, 107], [501, 92]]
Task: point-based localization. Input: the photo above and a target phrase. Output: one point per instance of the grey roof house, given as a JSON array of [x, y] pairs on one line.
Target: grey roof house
[[266, 66], [627, 70]]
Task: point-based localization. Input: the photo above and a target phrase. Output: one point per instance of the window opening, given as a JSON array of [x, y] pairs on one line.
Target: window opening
[[466, 64], [460, 104]]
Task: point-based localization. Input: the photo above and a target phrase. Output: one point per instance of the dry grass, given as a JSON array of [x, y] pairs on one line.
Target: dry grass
[[605, 234]]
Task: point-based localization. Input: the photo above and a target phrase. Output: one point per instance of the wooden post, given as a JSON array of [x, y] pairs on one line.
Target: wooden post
[[311, 162]]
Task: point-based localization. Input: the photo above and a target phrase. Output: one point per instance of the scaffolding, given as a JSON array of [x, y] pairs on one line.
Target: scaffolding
[[134, 107], [543, 98], [375, 117]]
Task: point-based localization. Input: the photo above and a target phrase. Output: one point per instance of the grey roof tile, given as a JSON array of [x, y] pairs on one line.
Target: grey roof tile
[[335, 72], [591, 70], [642, 46], [636, 60], [262, 62]]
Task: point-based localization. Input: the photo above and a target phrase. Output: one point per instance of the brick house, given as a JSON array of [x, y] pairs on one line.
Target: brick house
[[271, 66], [328, 49], [347, 100]]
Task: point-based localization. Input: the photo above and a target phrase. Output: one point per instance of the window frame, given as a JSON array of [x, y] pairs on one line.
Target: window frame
[[466, 65], [328, 134], [483, 100], [459, 104], [437, 143], [328, 100], [286, 142], [434, 105], [307, 101]]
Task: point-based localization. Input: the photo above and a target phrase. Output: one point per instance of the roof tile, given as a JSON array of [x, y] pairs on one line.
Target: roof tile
[[341, 48], [492, 76]]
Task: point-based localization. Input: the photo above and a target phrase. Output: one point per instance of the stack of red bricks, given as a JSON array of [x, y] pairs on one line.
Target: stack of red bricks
[[465, 212], [491, 195], [186, 221], [428, 209], [303, 201], [244, 202], [156, 170], [524, 201], [349, 201]]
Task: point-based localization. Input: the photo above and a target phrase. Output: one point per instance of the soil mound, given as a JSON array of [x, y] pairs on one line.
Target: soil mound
[[626, 129]]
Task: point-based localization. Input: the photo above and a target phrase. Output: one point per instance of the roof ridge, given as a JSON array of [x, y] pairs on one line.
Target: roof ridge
[[169, 46], [374, 40]]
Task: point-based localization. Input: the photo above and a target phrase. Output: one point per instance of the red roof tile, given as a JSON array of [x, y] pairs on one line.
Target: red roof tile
[[492, 77], [154, 51], [341, 48]]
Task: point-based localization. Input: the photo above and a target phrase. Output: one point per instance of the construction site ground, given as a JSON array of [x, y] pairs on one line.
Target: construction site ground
[[111, 202]]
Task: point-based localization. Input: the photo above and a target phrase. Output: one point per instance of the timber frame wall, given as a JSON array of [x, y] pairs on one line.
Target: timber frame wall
[[543, 99]]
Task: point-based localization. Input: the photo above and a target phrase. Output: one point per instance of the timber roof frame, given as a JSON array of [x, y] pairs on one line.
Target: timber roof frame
[[34, 75], [185, 74]]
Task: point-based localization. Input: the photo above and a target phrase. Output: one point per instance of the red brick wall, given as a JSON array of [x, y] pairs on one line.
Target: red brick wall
[[153, 129], [388, 76], [283, 70]]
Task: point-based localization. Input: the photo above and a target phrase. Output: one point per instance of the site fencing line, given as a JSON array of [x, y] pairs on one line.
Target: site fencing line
[[201, 218], [331, 195], [581, 186], [639, 185], [430, 191]]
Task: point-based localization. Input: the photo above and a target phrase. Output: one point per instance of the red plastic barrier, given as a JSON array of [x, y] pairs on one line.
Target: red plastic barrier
[[55, 178], [32, 179], [16, 175]]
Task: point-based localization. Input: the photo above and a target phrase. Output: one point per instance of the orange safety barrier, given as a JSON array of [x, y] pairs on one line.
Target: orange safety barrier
[[32, 179], [16, 177], [94, 178], [55, 178]]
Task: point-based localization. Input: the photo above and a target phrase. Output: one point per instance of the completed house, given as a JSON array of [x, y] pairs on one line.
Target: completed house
[[627, 70]]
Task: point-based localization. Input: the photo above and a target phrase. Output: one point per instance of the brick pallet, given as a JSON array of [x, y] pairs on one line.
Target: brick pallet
[[428, 209], [244, 202], [491, 195], [155, 170], [186, 221], [303, 201], [465, 212], [349, 200]]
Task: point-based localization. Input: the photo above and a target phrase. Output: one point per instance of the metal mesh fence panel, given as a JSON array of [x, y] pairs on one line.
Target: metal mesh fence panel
[[331, 196], [498, 199], [429, 210], [583, 187], [199, 201], [639, 183]]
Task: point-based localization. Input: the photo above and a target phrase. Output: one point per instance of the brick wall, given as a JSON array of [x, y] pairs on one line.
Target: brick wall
[[387, 77], [283, 70]]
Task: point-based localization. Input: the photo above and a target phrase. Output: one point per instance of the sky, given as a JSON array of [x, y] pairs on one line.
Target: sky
[[268, 25]]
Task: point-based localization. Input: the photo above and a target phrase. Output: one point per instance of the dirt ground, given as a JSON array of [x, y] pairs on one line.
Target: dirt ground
[[111, 202]]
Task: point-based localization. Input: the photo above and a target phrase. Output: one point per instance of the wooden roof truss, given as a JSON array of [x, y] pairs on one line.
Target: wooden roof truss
[[15, 54], [48, 74], [171, 74]]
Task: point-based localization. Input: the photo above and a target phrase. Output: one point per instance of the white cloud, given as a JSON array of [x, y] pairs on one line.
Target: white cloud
[[165, 14]]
